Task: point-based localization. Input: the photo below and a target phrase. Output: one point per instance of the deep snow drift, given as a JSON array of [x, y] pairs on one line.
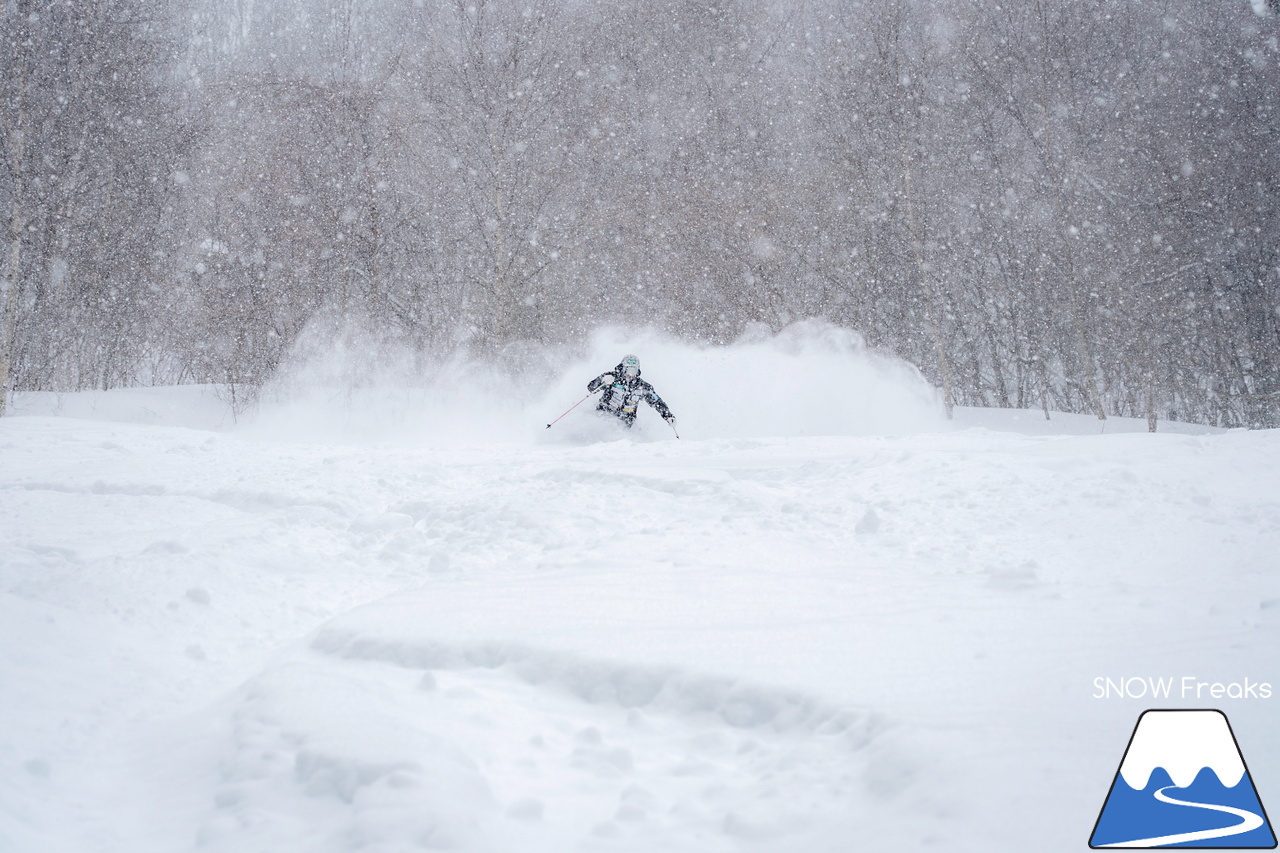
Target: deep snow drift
[[408, 616]]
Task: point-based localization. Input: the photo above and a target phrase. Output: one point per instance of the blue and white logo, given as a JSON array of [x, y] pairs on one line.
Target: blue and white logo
[[1183, 783]]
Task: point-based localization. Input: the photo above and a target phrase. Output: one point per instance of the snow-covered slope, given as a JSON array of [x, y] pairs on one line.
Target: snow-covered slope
[[260, 637]]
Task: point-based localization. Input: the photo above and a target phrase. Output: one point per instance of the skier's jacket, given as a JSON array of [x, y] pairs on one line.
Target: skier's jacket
[[622, 395]]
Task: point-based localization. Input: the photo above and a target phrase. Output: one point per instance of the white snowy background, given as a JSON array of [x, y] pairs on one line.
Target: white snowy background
[[410, 617]]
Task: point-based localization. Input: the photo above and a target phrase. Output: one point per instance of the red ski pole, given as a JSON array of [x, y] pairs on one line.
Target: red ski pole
[[571, 408]]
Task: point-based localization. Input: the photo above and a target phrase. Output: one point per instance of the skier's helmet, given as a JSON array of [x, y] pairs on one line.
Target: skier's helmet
[[630, 366]]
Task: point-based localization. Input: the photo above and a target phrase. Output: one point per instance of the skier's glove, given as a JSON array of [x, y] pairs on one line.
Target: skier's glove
[[671, 419]]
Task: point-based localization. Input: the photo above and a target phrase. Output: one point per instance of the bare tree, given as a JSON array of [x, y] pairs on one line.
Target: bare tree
[[499, 112], [85, 151]]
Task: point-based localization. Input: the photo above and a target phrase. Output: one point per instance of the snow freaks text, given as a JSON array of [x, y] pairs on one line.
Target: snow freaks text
[[1186, 687]]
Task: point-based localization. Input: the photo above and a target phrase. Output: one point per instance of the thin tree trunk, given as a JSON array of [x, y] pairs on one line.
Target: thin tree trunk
[[10, 317], [944, 369], [1083, 352], [17, 153]]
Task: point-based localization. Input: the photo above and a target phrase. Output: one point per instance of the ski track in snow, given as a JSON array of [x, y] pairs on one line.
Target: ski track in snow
[[221, 642]]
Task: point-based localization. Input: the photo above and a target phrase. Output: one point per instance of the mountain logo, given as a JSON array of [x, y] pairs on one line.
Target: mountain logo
[[1183, 783]]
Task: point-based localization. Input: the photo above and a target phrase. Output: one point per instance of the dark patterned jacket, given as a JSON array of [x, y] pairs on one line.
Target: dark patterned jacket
[[622, 396]]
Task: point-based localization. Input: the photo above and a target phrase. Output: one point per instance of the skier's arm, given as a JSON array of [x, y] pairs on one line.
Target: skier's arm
[[654, 400], [599, 382]]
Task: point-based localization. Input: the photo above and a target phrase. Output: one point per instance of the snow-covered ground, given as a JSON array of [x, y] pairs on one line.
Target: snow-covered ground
[[822, 619]]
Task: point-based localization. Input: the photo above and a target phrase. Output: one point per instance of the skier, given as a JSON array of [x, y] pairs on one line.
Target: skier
[[623, 391]]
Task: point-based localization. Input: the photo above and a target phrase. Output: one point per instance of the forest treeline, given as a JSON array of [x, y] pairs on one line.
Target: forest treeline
[[1068, 204]]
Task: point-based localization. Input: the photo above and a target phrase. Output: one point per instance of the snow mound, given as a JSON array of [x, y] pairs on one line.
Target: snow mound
[[662, 689]]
